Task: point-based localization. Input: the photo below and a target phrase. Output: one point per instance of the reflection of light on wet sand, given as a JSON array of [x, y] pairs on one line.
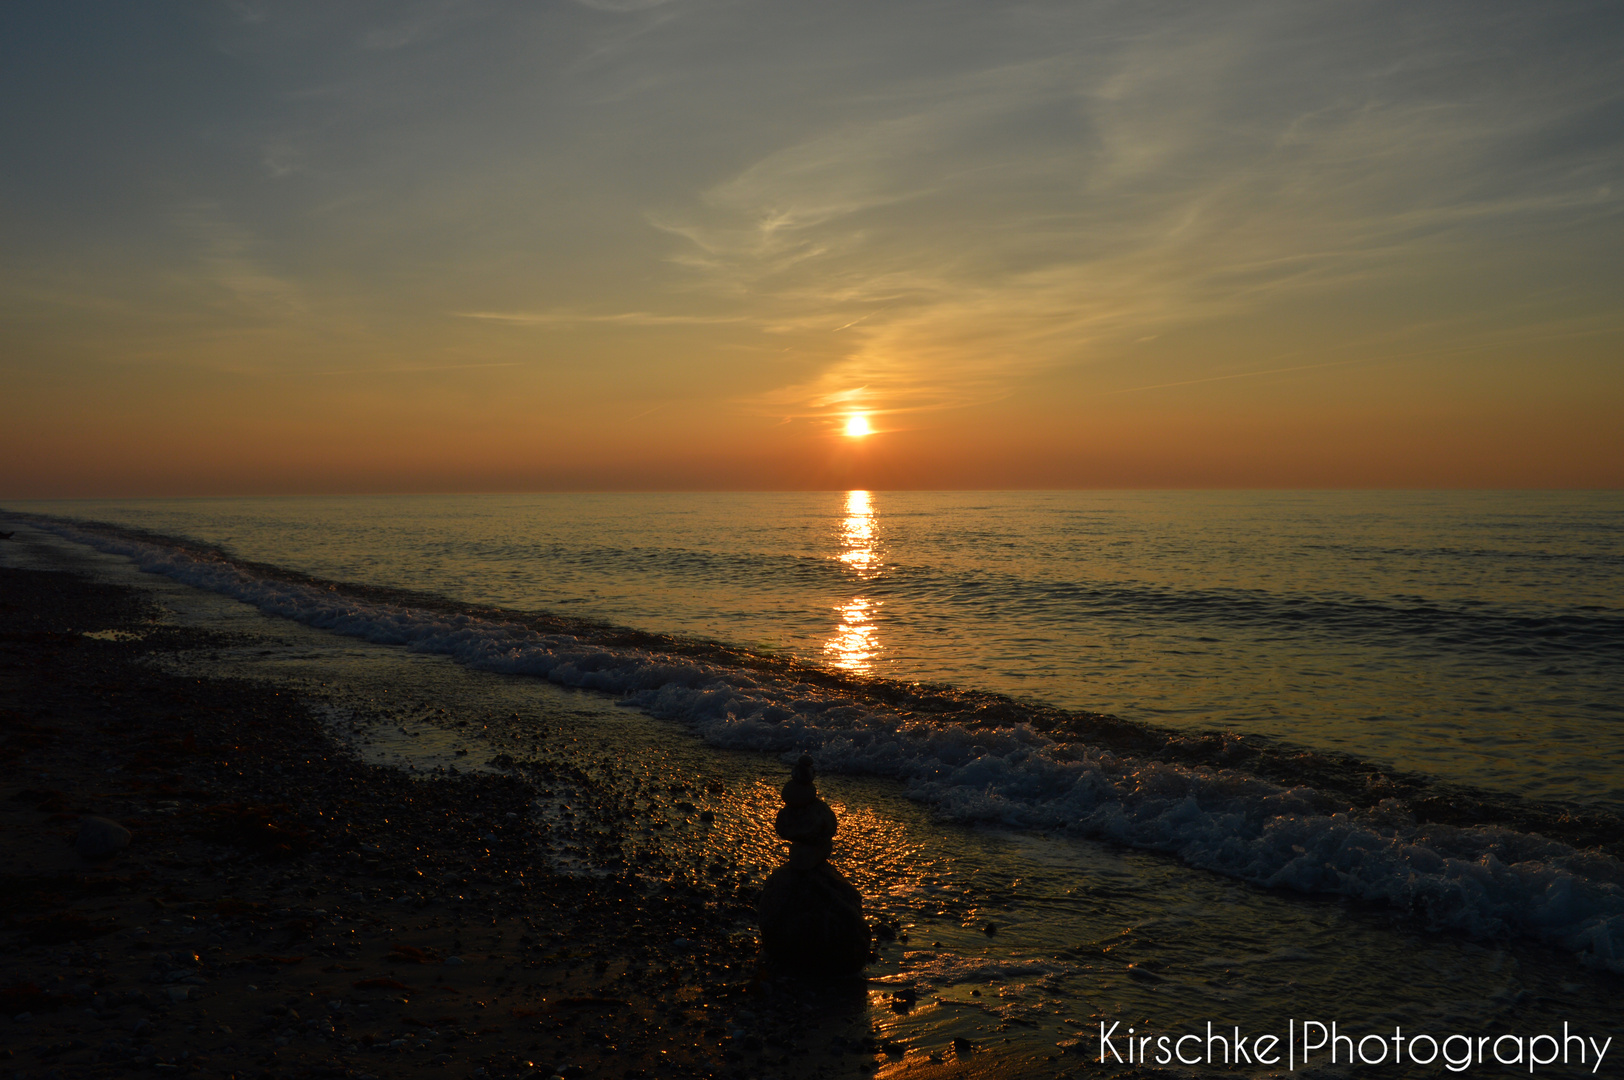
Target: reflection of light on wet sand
[[874, 850], [855, 644]]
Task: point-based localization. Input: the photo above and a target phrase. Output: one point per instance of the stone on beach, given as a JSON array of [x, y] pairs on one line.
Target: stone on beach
[[812, 921], [811, 916], [100, 838]]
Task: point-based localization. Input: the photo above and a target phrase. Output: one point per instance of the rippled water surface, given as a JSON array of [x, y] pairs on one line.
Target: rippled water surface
[[1476, 629], [1478, 636]]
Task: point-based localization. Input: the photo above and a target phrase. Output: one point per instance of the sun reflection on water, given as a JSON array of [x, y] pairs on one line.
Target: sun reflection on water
[[857, 534], [855, 645]]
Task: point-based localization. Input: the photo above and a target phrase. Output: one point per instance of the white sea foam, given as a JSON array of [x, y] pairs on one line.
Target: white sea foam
[[1485, 880]]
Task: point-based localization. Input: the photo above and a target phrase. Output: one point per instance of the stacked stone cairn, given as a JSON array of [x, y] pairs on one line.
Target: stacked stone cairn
[[811, 916]]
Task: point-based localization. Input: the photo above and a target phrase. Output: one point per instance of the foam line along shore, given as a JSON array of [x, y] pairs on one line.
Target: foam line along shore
[[1481, 863]]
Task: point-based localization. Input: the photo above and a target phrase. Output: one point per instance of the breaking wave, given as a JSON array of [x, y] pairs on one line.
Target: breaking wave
[[992, 760]]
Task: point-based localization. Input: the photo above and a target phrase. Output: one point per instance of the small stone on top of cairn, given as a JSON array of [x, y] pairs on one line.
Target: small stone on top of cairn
[[811, 916]]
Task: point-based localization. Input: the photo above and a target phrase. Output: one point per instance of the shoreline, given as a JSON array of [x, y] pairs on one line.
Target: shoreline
[[285, 909], [1340, 781], [639, 961]]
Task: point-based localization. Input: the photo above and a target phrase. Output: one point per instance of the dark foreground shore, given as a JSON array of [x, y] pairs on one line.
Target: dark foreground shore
[[285, 909]]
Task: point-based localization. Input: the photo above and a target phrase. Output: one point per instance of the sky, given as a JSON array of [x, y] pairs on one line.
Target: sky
[[289, 248]]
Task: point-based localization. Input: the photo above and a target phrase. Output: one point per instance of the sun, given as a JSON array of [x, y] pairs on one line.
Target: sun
[[857, 426]]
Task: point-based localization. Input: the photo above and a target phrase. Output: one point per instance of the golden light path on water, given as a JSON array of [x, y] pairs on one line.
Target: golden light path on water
[[1085, 932], [855, 644]]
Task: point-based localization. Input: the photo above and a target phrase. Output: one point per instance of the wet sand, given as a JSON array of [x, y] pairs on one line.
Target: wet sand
[[286, 909], [320, 828]]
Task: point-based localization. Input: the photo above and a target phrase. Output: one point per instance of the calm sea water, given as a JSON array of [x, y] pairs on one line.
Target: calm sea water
[[1474, 637], [1478, 636]]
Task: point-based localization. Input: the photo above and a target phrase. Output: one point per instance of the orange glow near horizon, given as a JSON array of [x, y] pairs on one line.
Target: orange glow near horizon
[[346, 288]]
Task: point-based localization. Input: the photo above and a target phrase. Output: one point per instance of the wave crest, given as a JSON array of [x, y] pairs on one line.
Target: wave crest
[[991, 760]]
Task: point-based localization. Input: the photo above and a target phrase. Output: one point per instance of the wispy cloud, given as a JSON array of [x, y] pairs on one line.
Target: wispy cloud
[[409, 369], [412, 24], [226, 254], [625, 318], [622, 7], [969, 230], [803, 210]]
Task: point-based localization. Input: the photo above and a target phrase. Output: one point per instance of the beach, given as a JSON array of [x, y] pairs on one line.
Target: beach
[[335, 787], [285, 909]]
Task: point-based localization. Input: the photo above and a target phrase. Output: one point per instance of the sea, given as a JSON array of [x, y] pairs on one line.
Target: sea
[[1240, 764]]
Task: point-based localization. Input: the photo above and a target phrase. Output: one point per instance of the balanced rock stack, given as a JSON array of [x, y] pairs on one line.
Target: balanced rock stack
[[811, 916]]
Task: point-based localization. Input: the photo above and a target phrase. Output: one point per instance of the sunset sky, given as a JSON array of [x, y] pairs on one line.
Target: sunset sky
[[252, 248]]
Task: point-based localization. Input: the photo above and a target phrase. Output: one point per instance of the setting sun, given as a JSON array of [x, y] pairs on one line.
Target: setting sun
[[857, 426]]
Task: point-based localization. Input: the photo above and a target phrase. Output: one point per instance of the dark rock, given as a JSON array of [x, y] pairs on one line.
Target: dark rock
[[805, 818], [812, 921], [100, 838], [811, 916]]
